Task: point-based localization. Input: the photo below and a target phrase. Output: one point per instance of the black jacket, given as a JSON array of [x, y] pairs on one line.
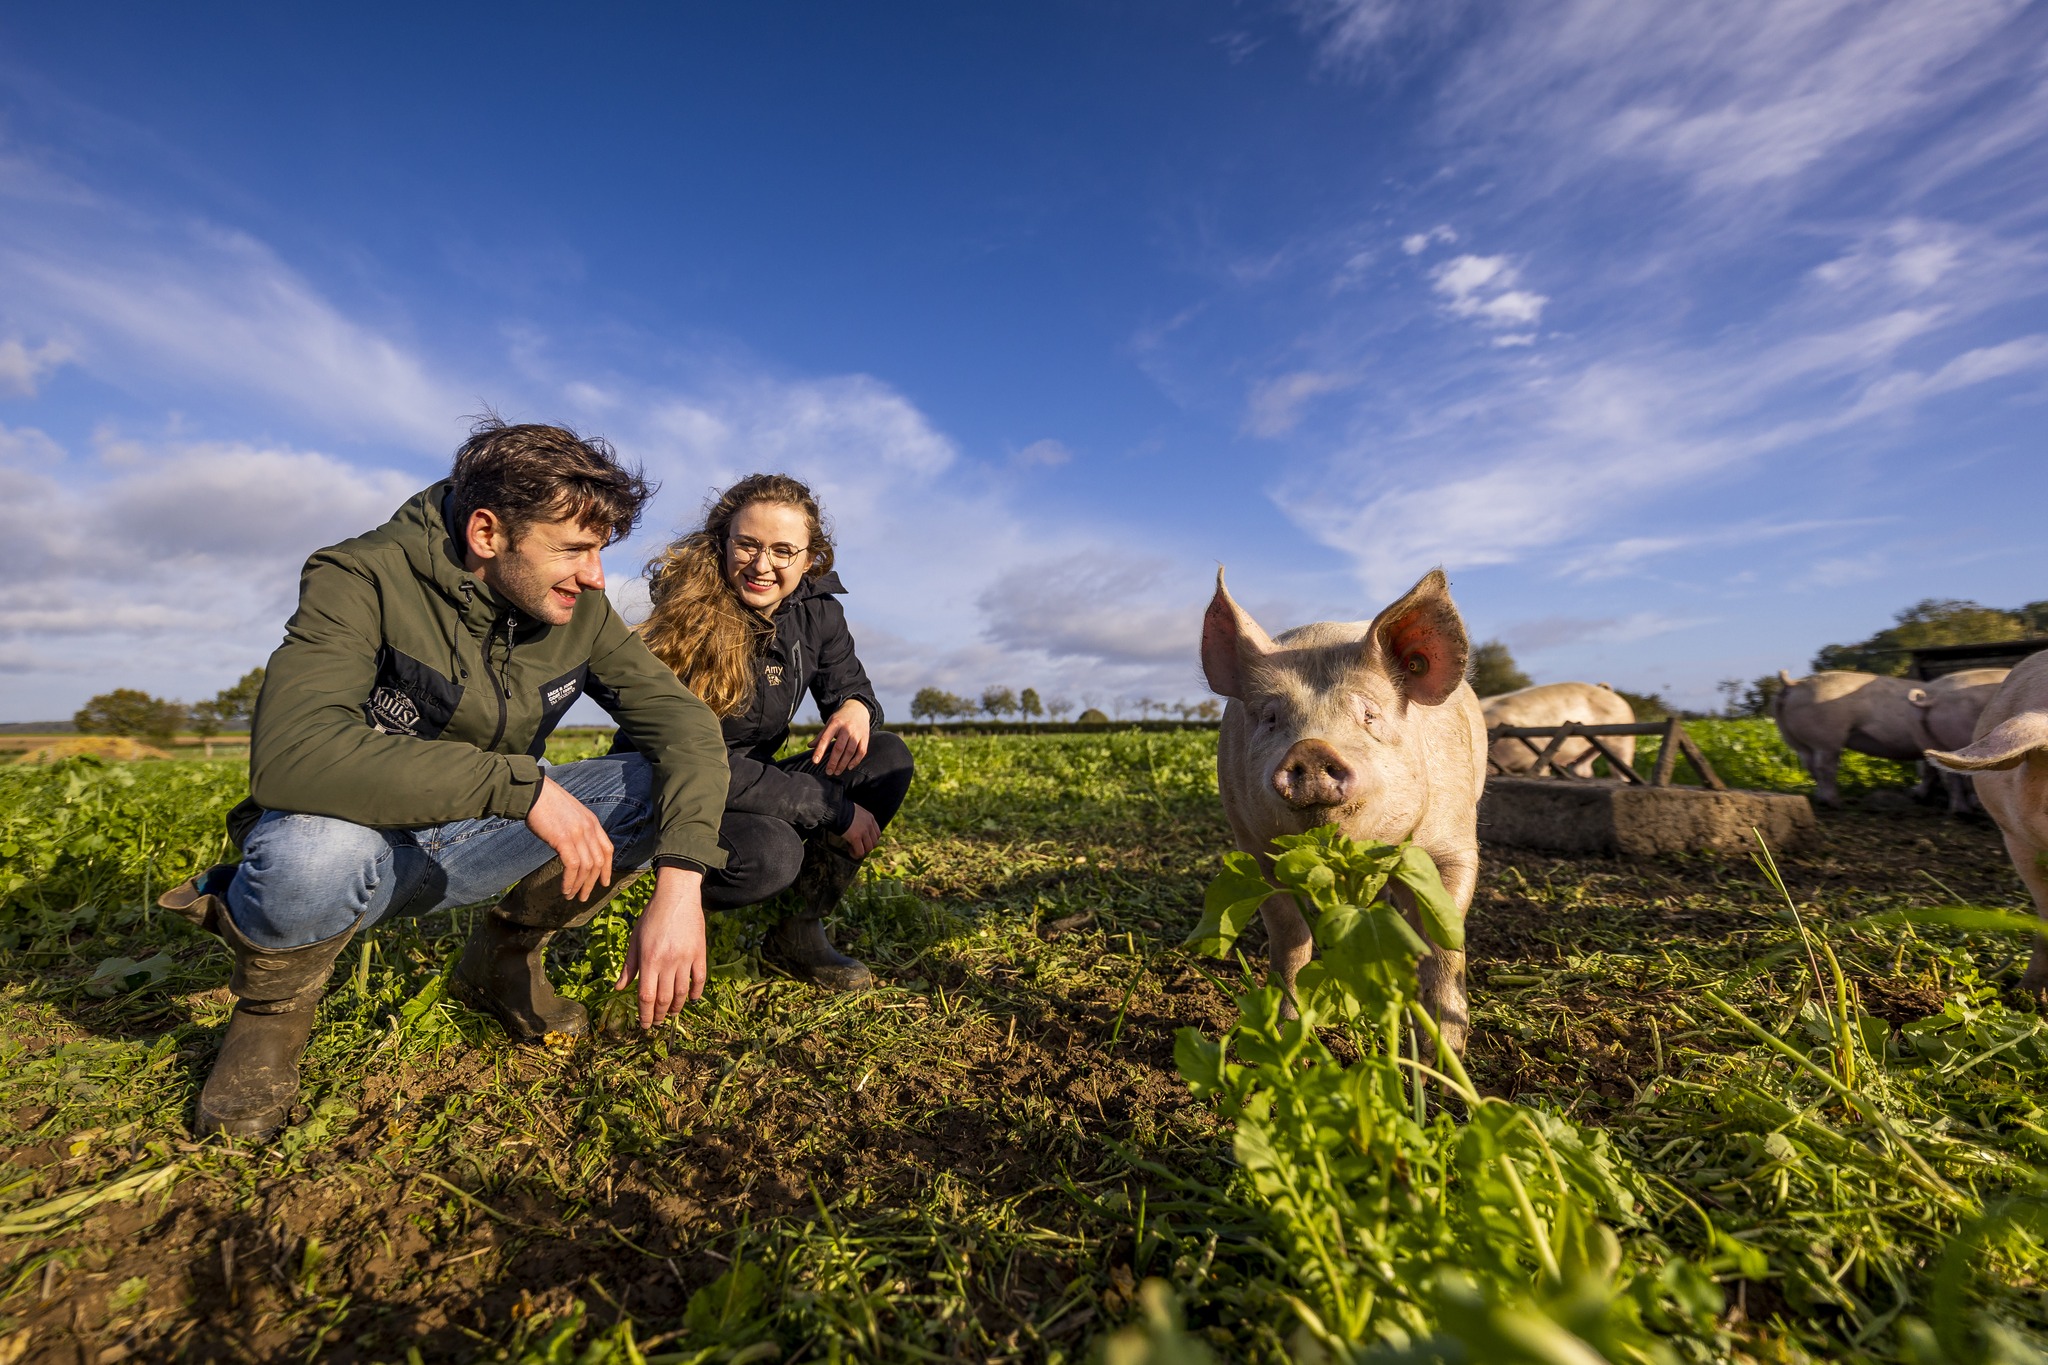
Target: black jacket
[[812, 651]]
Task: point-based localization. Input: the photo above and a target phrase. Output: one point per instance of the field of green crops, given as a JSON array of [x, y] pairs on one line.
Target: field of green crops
[[1701, 1117]]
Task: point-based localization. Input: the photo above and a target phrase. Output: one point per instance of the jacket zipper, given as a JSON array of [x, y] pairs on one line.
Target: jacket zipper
[[497, 684], [796, 679]]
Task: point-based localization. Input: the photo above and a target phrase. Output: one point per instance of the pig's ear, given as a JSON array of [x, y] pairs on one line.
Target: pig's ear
[[1230, 641], [1420, 641], [2005, 747]]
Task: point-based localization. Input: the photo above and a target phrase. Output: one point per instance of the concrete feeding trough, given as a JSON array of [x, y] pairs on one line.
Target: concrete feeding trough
[[1629, 813]]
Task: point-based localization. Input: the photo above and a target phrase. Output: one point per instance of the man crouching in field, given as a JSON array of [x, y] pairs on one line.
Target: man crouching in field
[[395, 767]]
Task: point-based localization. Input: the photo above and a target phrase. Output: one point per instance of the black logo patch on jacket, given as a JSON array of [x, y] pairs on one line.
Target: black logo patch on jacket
[[410, 698], [556, 697]]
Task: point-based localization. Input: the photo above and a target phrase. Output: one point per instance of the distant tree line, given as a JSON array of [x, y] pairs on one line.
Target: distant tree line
[[1934, 621], [1004, 704], [130, 711]]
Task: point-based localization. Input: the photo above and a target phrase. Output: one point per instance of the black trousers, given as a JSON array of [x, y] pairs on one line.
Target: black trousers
[[764, 854]]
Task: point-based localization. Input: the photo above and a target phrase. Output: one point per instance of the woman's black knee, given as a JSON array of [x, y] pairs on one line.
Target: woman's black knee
[[763, 856], [883, 778]]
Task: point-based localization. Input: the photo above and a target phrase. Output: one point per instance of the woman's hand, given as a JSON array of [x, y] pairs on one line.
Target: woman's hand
[[668, 952], [843, 743], [864, 833]]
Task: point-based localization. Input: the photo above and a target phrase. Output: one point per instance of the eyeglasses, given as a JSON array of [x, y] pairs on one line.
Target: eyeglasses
[[780, 555]]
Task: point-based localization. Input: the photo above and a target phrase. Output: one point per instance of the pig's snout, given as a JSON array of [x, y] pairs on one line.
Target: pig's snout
[[1314, 774]]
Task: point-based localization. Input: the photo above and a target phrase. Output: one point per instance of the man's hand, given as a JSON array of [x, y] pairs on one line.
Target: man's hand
[[864, 833], [668, 952], [843, 743], [576, 835]]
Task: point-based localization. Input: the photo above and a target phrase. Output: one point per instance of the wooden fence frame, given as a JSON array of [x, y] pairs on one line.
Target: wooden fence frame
[[1673, 733]]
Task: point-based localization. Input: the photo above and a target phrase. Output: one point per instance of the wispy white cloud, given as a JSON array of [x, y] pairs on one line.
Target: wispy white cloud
[[1415, 243], [1629, 555], [1555, 632], [1981, 365], [1727, 97], [1276, 405], [23, 368], [1484, 288], [191, 303], [1353, 33], [1105, 607], [1043, 454], [1838, 571]]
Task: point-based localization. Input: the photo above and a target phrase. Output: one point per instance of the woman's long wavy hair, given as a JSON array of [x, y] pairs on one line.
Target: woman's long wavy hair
[[699, 626]]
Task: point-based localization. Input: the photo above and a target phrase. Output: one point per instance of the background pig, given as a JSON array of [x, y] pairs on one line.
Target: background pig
[[1949, 707], [1555, 704], [1821, 715], [1370, 726], [2009, 760]]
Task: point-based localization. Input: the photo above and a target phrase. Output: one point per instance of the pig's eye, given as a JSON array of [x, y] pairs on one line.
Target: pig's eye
[[1269, 715]]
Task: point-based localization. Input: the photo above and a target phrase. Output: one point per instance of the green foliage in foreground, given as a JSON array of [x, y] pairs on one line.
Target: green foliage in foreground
[[1418, 1238], [1409, 1235]]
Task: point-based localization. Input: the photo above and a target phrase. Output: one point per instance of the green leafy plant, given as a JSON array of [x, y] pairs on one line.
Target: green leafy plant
[[1406, 1234]]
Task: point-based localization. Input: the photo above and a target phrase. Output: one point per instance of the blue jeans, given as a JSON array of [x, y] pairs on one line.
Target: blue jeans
[[305, 878]]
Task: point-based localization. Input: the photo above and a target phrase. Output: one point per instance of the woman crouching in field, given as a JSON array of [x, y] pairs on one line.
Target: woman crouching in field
[[744, 612]]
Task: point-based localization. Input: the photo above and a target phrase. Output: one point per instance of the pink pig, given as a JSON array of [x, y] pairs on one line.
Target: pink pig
[[1371, 727]]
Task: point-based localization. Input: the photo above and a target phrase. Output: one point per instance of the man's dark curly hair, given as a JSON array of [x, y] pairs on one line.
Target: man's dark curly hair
[[527, 473]]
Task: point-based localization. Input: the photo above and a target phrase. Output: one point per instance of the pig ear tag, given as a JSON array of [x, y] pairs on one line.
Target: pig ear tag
[[1418, 663]]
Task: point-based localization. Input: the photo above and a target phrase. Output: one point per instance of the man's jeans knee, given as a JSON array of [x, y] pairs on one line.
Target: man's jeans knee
[[308, 877], [305, 878]]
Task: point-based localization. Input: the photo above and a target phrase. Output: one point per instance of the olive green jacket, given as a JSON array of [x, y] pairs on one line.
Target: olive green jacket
[[407, 693]]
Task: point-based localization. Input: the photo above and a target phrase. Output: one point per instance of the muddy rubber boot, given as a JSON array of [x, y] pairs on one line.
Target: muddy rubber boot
[[255, 1079], [798, 944], [503, 970]]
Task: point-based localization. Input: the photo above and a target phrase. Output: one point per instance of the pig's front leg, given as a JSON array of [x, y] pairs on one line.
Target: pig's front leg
[[1823, 764], [2027, 861], [1442, 974], [1289, 945]]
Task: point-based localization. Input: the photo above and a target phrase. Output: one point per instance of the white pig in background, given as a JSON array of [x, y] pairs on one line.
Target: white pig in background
[[1821, 715], [2009, 760], [1370, 726], [1555, 704], [1949, 707]]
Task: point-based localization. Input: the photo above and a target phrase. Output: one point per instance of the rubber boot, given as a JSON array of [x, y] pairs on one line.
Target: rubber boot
[[255, 1079], [503, 970], [798, 944]]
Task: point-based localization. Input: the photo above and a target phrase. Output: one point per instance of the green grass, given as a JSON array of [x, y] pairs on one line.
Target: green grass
[[986, 1157]]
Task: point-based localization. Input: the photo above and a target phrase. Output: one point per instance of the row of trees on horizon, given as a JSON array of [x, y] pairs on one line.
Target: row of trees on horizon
[[1003, 704]]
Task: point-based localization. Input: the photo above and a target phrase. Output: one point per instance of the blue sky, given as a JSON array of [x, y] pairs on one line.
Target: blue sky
[[1686, 338]]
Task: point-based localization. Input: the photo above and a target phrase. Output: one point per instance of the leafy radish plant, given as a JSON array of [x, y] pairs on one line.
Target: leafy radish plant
[[1406, 1234]]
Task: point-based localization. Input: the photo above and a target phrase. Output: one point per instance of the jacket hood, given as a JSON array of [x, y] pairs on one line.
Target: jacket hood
[[424, 534]]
